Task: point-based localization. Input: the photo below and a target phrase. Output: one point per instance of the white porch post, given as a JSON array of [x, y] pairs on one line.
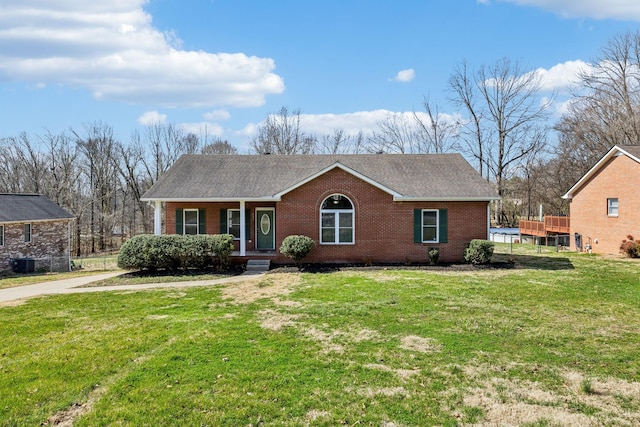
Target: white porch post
[[243, 232], [157, 218]]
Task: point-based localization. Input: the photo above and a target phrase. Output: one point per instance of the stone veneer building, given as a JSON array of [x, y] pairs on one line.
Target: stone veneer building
[[35, 228]]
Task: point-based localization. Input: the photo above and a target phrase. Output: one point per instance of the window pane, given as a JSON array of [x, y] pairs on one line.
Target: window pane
[[336, 202], [191, 222], [346, 235], [612, 206], [27, 232], [328, 235], [1, 235], [328, 220], [429, 234], [346, 219], [429, 218], [234, 230]]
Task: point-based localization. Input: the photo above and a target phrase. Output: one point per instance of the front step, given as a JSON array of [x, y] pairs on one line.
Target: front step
[[258, 265]]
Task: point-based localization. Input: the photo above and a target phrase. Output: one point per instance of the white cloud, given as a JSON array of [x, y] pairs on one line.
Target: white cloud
[[627, 10], [152, 117], [111, 48], [352, 123], [203, 129], [405, 76], [561, 76], [216, 115]]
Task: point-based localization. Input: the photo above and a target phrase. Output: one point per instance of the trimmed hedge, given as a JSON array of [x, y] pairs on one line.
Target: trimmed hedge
[[479, 252], [296, 247], [171, 252]]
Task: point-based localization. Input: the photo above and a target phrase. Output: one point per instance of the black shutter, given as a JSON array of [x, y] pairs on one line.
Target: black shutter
[[202, 218], [444, 226], [179, 221], [223, 221], [417, 226]]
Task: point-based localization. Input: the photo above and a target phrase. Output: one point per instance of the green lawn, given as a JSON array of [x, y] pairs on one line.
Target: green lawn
[[552, 341]]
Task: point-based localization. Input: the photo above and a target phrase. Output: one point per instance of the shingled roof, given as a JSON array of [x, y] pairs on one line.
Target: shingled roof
[[268, 177], [30, 207]]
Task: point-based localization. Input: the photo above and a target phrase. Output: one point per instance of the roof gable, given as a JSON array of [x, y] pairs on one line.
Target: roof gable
[[631, 151], [269, 177], [30, 207]]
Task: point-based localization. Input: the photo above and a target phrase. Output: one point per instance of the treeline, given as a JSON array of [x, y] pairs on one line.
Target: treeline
[[502, 127]]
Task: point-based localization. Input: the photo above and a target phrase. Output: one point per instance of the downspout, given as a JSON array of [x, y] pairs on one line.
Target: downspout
[[157, 218], [243, 232], [489, 221]]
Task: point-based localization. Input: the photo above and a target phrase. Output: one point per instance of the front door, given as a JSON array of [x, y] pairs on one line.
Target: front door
[[265, 229]]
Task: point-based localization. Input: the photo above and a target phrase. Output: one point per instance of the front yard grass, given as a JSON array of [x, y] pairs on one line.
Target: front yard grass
[[552, 341]]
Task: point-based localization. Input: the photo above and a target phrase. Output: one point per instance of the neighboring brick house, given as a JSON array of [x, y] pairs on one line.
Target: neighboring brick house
[[605, 202], [35, 228], [359, 208]]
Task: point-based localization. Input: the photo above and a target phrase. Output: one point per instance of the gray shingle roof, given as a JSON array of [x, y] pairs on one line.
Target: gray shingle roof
[[29, 207], [267, 177]]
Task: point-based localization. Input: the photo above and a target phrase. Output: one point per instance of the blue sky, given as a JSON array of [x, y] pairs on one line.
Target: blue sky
[[223, 65]]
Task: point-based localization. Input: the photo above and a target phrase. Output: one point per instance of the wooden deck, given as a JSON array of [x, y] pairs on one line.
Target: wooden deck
[[549, 225]]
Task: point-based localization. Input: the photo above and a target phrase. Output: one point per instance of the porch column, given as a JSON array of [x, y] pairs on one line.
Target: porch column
[[243, 232], [157, 218]]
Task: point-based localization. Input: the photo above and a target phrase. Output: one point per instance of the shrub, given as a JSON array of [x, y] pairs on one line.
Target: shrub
[[630, 247], [222, 248], [434, 255], [296, 247], [479, 252], [170, 252]]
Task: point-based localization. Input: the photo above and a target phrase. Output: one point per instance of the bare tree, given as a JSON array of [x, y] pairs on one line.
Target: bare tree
[[340, 142], [506, 115], [396, 133], [434, 133], [219, 147], [282, 133]]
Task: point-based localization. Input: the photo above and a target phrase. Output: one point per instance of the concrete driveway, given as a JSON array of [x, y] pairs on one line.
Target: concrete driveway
[[70, 286]]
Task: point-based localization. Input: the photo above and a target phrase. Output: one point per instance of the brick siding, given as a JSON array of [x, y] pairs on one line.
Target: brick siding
[[619, 178], [49, 239], [383, 228]]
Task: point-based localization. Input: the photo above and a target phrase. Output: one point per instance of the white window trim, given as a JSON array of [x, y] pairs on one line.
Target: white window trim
[[229, 212], [610, 206], [422, 225], [30, 232], [337, 222], [184, 220]]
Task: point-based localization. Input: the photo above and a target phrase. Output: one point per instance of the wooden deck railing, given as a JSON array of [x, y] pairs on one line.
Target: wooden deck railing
[[549, 224]]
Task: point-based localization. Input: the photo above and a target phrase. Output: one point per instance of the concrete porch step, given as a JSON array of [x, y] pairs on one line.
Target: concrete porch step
[[258, 264]]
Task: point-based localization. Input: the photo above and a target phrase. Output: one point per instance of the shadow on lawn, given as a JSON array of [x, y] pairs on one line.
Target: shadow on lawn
[[534, 262]]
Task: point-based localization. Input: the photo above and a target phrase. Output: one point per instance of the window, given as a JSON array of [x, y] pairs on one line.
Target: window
[[233, 222], [336, 220], [1, 235], [612, 207], [429, 226], [27, 233], [191, 221]]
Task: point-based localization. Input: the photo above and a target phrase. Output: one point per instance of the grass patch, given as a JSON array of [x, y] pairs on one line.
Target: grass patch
[[356, 347]]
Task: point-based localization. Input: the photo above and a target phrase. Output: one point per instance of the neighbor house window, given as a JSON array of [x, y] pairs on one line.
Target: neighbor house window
[[27, 233], [233, 222], [612, 207], [1, 235], [430, 227], [336, 220], [191, 221]]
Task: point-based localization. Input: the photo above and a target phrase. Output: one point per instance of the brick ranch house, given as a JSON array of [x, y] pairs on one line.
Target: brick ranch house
[[605, 203], [359, 208], [33, 227]]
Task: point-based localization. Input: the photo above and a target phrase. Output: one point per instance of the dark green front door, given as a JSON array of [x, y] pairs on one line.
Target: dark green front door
[[265, 229]]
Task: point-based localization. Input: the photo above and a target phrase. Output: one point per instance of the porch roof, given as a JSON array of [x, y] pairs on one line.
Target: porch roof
[[269, 177]]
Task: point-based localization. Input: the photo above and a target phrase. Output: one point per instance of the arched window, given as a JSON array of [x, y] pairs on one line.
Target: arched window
[[336, 220]]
